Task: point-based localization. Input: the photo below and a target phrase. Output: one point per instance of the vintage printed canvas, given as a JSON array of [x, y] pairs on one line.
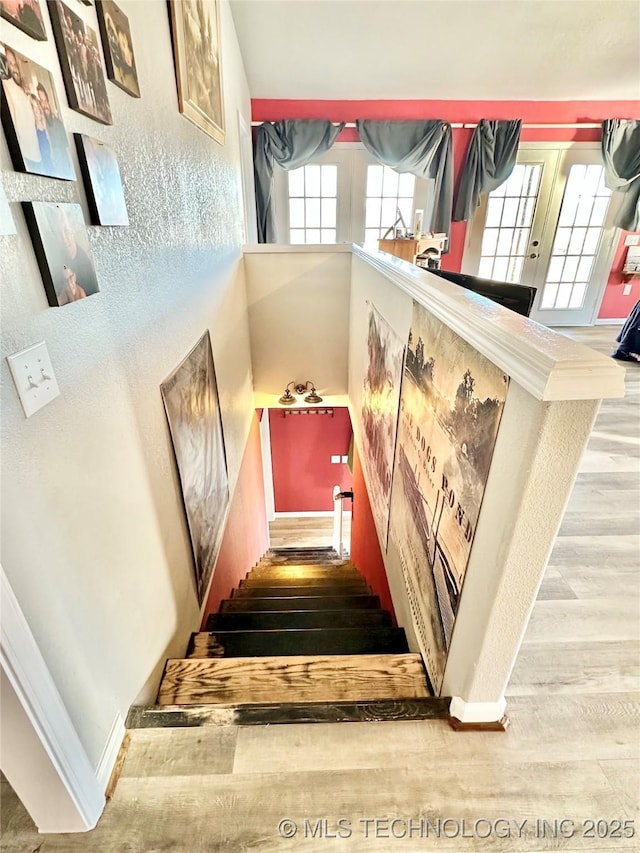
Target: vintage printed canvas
[[190, 397], [380, 399], [450, 408]]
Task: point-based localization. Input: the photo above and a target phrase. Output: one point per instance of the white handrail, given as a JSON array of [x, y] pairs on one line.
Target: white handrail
[[337, 521]]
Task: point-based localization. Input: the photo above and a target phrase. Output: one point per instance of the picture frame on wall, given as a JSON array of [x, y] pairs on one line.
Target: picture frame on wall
[[190, 396], [36, 137], [26, 15], [102, 181], [81, 63], [119, 58], [61, 246], [195, 26]]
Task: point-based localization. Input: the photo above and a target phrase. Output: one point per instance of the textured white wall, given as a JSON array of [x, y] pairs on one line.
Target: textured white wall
[[93, 532]]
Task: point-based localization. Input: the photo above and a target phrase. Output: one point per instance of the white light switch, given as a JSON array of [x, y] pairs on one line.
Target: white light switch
[[345, 459], [626, 290], [335, 460], [33, 376]]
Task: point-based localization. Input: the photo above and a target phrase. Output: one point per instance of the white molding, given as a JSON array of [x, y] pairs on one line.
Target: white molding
[[328, 514], [110, 752], [29, 675], [547, 364], [267, 465], [610, 321], [477, 712]]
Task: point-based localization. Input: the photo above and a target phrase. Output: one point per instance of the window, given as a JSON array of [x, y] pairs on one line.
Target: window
[[582, 216], [507, 228], [387, 193], [313, 195], [344, 197]]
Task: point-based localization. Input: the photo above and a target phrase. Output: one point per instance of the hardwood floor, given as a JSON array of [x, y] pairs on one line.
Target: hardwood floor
[[571, 751]]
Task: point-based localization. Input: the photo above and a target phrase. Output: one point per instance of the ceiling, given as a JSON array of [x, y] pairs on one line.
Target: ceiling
[[440, 49]]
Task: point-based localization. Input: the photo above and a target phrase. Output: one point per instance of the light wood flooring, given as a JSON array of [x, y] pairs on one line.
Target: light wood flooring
[[307, 532], [571, 751]]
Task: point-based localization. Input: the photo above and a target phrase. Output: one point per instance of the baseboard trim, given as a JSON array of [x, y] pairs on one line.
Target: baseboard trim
[[110, 753], [496, 726], [477, 712], [327, 514], [610, 321]]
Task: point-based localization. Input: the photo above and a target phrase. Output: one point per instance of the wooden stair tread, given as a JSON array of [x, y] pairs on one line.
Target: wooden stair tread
[[306, 590], [293, 679], [306, 580], [311, 571], [265, 619], [304, 641], [299, 602]]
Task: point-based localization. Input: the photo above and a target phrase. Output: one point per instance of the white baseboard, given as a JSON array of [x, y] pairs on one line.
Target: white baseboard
[[477, 712], [110, 752], [328, 514], [611, 321]]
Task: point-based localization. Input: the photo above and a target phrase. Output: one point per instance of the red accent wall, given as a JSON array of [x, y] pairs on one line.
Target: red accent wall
[[246, 535], [365, 547], [616, 305], [535, 112], [301, 451]]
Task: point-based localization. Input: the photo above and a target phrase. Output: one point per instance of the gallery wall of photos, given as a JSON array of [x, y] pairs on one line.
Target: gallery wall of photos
[[38, 141]]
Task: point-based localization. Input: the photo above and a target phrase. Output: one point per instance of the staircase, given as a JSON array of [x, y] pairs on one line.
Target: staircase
[[302, 638]]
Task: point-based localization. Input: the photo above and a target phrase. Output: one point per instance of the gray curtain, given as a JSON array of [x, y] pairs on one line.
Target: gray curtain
[[422, 148], [621, 155], [289, 144], [490, 160]]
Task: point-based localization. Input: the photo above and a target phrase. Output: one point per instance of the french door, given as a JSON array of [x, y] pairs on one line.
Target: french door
[[549, 226]]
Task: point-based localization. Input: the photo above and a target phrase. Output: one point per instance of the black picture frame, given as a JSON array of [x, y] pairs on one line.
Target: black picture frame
[[26, 16], [102, 181], [36, 136], [61, 246], [117, 45], [85, 84]]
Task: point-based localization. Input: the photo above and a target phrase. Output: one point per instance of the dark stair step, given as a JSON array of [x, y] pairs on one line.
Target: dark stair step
[[312, 641], [271, 581], [242, 604], [305, 591], [257, 621]]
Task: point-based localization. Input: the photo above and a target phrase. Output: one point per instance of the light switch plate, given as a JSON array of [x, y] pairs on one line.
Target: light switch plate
[[34, 378], [632, 239], [335, 460]]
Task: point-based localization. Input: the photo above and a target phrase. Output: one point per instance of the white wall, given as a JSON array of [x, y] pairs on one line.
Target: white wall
[[94, 540], [298, 318]]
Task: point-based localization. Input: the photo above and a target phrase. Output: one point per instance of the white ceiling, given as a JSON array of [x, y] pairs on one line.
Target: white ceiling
[[441, 49]]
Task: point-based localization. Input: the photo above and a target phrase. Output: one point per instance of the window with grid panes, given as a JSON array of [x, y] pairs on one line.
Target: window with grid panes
[[507, 228], [313, 192], [386, 193], [584, 208]]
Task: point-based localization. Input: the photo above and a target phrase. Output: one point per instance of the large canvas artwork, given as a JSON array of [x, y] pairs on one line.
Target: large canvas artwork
[[190, 397], [380, 399], [196, 45], [450, 409]]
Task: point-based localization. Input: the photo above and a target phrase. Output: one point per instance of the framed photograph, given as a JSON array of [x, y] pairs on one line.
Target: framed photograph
[[26, 15], [118, 47], [102, 181], [81, 63], [31, 117], [191, 402], [196, 45], [62, 250]]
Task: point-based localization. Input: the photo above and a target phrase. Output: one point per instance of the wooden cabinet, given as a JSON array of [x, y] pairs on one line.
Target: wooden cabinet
[[409, 250]]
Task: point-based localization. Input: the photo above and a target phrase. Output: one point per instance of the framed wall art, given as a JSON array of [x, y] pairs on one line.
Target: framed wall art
[[118, 47], [191, 402], [102, 181], [36, 137], [59, 238], [81, 63], [195, 28], [26, 15]]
